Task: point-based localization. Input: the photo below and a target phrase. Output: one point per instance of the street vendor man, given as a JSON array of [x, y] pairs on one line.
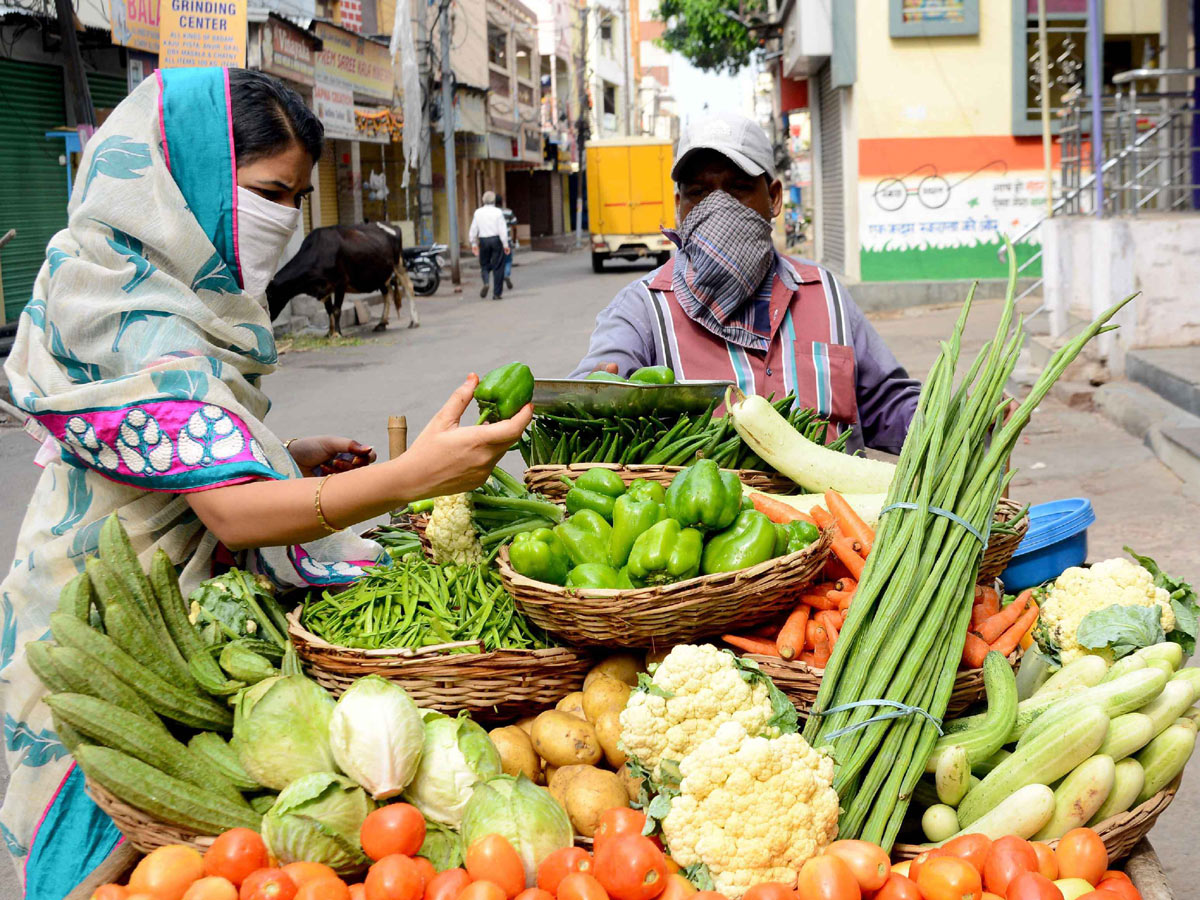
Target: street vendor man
[[140, 360], [729, 307]]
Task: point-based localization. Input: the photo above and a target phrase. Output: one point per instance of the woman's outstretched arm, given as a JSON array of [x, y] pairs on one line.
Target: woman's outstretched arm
[[445, 459]]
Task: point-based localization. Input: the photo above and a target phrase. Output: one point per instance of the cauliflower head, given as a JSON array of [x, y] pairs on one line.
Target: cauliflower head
[[694, 691], [752, 809], [451, 531], [1078, 591]]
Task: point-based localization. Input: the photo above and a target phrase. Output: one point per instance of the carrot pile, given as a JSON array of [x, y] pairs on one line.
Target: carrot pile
[[996, 628]]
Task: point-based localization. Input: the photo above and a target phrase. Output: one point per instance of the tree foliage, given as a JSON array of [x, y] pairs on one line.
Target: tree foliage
[[706, 33]]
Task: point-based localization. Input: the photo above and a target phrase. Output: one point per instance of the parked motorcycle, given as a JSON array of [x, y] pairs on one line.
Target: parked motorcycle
[[424, 266]]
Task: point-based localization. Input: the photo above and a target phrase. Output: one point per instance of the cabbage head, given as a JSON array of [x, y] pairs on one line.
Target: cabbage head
[[376, 735], [523, 813], [281, 730], [457, 754], [317, 818], [442, 847]]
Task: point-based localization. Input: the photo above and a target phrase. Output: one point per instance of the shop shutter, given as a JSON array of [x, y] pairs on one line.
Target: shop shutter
[[107, 90], [833, 213], [327, 170], [33, 186]]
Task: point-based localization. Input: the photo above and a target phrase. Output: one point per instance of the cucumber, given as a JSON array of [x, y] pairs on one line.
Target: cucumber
[[1023, 813], [210, 677], [76, 598], [99, 681], [989, 736], [1162, 665], [1168, 650], [244, 664], [1087, 671], [164, 697], [1127, 735], [1173, 702], [1027, 711], [37, 654], [1193, 715], [164, 797], [1079, 796], [1124, 666], [1125, 694], [1187, 723], [1043, 760], [1128, 778], [214, 748], [953, 775], [1191, 675], [130, 630], [939, 822], [1164, 758], [991, 762]]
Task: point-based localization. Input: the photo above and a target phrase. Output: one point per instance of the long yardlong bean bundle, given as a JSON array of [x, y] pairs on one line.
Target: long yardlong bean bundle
[[903, 638]]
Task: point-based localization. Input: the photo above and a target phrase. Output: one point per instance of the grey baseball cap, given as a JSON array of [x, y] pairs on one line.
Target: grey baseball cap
[[739, 139]]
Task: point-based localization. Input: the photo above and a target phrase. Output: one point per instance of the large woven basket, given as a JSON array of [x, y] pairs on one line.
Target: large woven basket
[[1120, 833], [503, 684], [801, 683], [1002, 546], [143, 830], [671, 614], [547, 480]]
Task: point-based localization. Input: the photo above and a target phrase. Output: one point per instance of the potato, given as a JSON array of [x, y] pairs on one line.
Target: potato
[[572, 703], [547, 772], [608, 732], [589, 793], [605, 693], [633, 786], [516, 752], [621, 666], [526, 723], [560, 779], [562, 739], [654, 657]]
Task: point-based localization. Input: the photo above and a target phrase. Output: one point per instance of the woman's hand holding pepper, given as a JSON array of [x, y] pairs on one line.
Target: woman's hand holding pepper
[[327, 454]]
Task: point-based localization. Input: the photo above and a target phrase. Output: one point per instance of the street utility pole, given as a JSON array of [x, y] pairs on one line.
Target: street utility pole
[[425, 161], [581, 125], [79, 96], [448, 145]]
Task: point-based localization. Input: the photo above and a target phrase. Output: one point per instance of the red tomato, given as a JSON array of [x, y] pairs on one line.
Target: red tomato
[[617, 821], [109, 892], [974, 848], [987, 896], [304, 872], [898, 887], [167, 872], [1047, 861], [580, 886], [708, 895], [771, 890], [395, 877], [395, 828], [827, 878], [534, 894], [211, 887], [1100, 895], [268, 884], [358, 891], [235, 854], [1010, 857], [678, 888], [323, 889], [482, 890], [914, 867], [1122, 887], [630, 867], [447, 885], [561, 863], [492, 858], [1081, 854], [1115, 873], [949, 878], [869, 863], [1031, 885], [427, 870]]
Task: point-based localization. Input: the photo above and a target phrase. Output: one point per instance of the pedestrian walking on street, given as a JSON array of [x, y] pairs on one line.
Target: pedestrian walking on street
[[489, 241], [510, 219]]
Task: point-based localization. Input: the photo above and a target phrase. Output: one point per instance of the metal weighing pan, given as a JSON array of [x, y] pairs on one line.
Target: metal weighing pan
[[561, 396]]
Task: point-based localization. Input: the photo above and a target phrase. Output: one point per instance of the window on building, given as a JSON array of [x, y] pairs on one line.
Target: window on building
[[609, 106], [524, 62], [497, 45], [605, 35]]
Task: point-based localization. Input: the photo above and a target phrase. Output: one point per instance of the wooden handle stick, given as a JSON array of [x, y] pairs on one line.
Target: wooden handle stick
[[397, 435]]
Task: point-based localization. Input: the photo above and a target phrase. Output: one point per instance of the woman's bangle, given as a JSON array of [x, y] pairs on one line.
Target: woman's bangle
[[317, 506], [287, 445]]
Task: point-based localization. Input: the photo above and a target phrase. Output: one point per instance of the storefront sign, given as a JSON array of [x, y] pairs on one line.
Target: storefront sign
[[196, 33], [354, 62], [287, 51], [334, 106], [503, 146], [134, 24], [534, 152]]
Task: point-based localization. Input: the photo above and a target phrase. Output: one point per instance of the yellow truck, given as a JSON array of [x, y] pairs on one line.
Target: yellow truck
[[630, 199]]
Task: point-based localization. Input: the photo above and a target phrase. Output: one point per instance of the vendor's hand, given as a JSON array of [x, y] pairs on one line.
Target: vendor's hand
[[610, 368], [447, 458], [507, 251], [327, 454], [474, 249]]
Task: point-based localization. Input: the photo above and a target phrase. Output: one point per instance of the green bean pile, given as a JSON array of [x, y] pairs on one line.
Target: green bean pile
[[416, 603], [652, 440]]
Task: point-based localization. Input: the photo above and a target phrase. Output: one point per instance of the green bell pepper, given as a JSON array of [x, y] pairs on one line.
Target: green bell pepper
[[593, 575], [794, 536], [595, 489], [624, 582], [704, 496], [665, 553], [502, 392], [748, 542], [585, 535], [643, 489], [653, 375], [604, 376], [540, 555], [633, 514]]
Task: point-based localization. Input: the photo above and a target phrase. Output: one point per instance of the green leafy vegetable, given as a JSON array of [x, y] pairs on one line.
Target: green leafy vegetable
[[1123, 629], [1183, 602], [238, 605], [317, 818], [442, 847]]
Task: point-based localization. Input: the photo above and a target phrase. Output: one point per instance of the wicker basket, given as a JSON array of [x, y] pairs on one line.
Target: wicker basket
[[671, 614], [501, 685], [1001, 547], [416, 524], [1120, 833], [547, 480], [801, 683], [143, 830]]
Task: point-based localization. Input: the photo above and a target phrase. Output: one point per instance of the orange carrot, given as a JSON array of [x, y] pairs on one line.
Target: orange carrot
[[851, 560], [1008, 641], [829, 619], [777, 510], [819, 601], [842, 598], [842, 613], [850, 522], [821, 588], [834, 570], [992, 627], [751, 645], [810, 659], [974, 651], [979, 612], [790, 641], [988, 597], [845, 584], [818, 639], [822, 517]]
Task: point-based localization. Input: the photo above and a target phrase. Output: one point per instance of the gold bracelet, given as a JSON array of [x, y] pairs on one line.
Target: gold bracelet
[[287, 445], [317, 506]]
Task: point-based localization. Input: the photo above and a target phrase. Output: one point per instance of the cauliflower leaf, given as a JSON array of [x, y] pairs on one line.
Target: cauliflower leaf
[[1183, 603], [1122, 629]]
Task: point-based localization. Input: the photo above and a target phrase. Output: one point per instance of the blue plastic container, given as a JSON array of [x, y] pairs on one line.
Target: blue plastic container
[[1056, 540]]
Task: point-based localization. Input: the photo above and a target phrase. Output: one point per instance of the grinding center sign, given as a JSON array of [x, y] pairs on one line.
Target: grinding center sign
[[196, 33]]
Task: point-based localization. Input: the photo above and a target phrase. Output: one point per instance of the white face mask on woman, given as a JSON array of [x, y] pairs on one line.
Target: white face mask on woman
[[264, 229]]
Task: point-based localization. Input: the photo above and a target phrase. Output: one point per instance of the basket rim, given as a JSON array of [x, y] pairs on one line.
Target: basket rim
[[802, 669]]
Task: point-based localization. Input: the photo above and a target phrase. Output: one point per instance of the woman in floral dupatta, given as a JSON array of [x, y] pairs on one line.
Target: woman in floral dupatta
[[140, 358]]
